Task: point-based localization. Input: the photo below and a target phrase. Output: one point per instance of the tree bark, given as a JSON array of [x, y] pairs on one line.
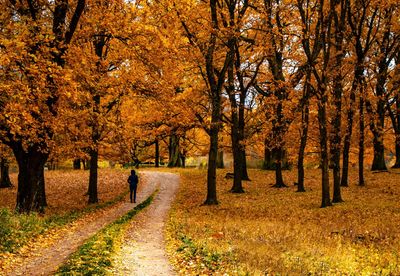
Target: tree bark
[[77, 164], [347, 138], [93, 174], [5, 181], [361, 181], [323, 139], [212, 155], [245, 175], [303, 143], [220, 159], [174, 151], [157, 154], [31, 184], [278, 168], [237, 158], [339, 27]]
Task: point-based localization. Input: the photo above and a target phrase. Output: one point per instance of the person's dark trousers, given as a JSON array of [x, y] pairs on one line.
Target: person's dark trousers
[[133, 191]]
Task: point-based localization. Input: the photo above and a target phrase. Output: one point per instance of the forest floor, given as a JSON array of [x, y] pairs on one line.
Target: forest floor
[[271, 231], [44, 255]]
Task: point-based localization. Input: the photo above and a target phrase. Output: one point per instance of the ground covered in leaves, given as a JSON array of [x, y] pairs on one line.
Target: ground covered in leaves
[[278, 231], [21, 234], [66, 189]]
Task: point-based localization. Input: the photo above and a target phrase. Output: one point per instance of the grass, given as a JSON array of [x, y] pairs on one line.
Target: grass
[[94, 257], [278, 231], [18, 229], [65, 190]]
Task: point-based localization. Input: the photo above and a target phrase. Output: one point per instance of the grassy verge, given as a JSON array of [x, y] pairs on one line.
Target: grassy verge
[[94, 257], [278, 231], [18, 229]]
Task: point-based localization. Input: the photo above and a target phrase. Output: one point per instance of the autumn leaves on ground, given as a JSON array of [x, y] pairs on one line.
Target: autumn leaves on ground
[[265, 230]]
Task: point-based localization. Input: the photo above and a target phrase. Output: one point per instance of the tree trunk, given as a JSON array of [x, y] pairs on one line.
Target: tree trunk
[[278, 168], [323, 139], [77, 164], [183, 161], [220, 159], [361, 181], [347, 138], [5, 181], [86, 164], [303, 144], [339, 29], [92, 191], [245, 175], [157, 154], [336, 137], [378, 164], [174, 152], [237, 157], [212, 162], [31, 185], [269, 160]]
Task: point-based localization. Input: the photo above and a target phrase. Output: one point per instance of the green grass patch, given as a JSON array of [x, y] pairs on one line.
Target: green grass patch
[[18, 229], [95, 255]]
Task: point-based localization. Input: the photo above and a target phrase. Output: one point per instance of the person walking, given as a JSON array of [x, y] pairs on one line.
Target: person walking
[[133, 181]]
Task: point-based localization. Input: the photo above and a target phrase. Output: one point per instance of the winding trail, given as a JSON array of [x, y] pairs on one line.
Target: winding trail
[[143, 250], [46, 260]]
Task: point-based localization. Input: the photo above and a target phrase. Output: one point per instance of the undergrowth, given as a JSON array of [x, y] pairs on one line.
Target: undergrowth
[[94, 257]]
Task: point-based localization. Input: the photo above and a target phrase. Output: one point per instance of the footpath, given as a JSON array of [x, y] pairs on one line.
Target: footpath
[[143, 251]]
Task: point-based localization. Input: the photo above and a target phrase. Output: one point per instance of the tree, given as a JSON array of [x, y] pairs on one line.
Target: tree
[[385, 49], [104, 76], [35, 40], [362, 18], [214, 46], [316, 32]]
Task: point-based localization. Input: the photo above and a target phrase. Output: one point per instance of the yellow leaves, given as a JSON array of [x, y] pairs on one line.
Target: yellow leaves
[[273, 231]]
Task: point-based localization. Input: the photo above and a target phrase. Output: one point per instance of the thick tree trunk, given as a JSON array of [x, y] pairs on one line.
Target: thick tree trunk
[[174, 152], [77, 164], [378, 164], [361, 181], [92, 191], [323, 139], [278, 168], [31, 185], [157, 154], [302, 148], [212, 167], [5, 181], [220, 159], [245, 175], [237, 156]]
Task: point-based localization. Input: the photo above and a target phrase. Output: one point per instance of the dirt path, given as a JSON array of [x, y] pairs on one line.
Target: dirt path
[[142, 252], [46, 260]]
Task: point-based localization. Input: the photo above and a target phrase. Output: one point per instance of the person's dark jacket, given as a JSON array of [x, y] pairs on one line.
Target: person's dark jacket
[[133, 180]]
